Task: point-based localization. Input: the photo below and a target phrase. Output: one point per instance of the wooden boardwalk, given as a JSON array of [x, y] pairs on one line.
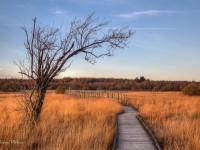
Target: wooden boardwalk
[[131, 135]]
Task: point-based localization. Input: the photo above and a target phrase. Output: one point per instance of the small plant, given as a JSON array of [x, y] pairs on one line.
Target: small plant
[[60, 90], [191, 89]]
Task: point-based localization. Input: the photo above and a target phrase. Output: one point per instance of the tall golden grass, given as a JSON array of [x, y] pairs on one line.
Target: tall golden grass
[[66, 123], [173, 117]]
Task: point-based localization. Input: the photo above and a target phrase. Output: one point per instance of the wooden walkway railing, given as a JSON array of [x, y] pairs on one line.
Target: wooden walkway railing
[[119, 96]]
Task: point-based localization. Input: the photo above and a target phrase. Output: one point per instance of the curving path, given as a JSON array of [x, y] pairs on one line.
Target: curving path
[[131, 134]]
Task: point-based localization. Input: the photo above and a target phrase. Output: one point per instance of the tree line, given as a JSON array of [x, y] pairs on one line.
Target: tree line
[[137, 84]]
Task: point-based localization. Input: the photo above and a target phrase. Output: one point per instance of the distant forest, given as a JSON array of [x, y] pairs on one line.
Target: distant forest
[[137, 84]]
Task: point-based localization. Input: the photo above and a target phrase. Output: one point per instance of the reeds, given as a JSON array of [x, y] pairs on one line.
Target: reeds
[[173, 117], [66, 123]]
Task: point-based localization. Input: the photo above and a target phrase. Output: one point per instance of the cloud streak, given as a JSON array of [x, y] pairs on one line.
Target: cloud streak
[[136, 14], [91, 2], [155, 29], [26, 7], [58, 12]]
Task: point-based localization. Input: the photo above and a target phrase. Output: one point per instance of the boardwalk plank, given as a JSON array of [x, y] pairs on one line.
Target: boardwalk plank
[[131, 134]]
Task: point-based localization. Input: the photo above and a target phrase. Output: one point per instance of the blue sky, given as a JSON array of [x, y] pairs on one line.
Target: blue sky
[[165, 46]]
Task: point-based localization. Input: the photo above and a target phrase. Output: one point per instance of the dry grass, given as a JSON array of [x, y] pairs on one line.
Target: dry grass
[[66, 123], [174, 118]]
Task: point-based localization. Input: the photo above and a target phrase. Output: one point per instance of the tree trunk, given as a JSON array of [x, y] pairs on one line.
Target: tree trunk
[[39, 96]]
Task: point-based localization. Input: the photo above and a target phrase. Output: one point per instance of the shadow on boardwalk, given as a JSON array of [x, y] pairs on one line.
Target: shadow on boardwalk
[[131, 135]]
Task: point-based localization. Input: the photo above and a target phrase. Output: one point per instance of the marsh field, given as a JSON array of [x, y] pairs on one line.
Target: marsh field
[[90, 124], [173, 117]]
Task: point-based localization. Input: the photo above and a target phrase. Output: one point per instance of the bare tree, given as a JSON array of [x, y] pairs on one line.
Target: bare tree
[[48, 53]]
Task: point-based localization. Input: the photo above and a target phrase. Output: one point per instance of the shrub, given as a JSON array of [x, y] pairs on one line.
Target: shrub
[[60, 90], [86, 87], [167, 88], [10, 87], [191, 89]]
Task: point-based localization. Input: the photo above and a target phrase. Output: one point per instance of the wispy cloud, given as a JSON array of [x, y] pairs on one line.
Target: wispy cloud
[[58, 12], [136, 14], [27, 7], [154, 29], [91, 2], [53, 0], [11, 25], [9, 21]]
